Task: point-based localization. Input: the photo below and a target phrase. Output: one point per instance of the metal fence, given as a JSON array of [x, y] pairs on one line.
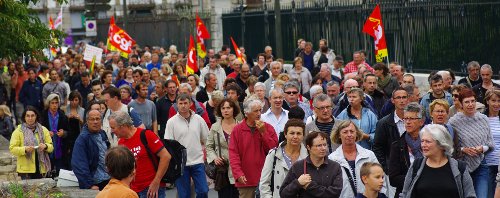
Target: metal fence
[[422, 35]]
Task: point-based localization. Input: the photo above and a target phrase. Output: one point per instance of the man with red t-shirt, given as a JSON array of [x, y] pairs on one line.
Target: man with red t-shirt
[[147, 179], [357, 59]]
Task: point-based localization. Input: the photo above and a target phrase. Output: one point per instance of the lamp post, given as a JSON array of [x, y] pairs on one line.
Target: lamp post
[[277, 27], [266, 24], [242, 10]]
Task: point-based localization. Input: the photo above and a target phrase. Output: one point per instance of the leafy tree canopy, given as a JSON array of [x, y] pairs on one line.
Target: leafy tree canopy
[[22, 31]]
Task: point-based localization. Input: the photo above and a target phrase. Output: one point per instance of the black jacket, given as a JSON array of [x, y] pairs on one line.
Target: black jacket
[[385, 133], [202, 95], [399, 163], [378, 99]]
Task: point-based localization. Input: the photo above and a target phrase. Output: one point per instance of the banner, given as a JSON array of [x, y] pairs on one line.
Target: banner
[[59, 19], [237, 51], [191, 66], [374, 27], [201, 34], [93, 55], [119, 40]]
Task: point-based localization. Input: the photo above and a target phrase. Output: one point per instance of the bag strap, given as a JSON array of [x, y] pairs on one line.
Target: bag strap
[[305, 172], [272, 172], [416, 165], [145, 143], [218, 141], [351, 180]]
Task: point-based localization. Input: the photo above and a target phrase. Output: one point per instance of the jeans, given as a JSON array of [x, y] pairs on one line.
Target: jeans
[[493, 170], [197, 173], [161, 193], [480, 180]]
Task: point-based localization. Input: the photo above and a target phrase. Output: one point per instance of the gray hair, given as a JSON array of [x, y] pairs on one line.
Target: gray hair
[[359, 91], [274, 63], [51, 97], [252, 101], [409, 88], [183, 96], [207, 77], [217, 95], [441, 135], [185, 85], [276, 89], [291, 84], [488, 67], [473, 64], [321, 98], [260, 84], [417, 108], [326, 65], [332, 83], [121, 118], [314, 89]]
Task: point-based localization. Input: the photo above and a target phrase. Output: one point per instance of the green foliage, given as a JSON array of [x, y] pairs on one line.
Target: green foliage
[[22, 31]]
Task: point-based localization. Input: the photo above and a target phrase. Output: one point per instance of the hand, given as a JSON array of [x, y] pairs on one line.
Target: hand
[[304, 180], [470, 151], [51, 133], [479, 149], [42, 146], [261, 127], [365, 136], [219, 161], [94, 187], [60, 133], [29, 149], [242, 180], [153, 189]]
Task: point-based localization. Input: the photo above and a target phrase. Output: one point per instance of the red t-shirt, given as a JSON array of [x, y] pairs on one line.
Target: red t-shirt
[[145, 170]]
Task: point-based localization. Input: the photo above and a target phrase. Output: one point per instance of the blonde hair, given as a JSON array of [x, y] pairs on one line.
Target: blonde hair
[[441, 102], [5, 109], [335, 137]]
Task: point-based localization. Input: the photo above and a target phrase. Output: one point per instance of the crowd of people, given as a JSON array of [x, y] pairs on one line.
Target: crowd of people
[[321, 128]]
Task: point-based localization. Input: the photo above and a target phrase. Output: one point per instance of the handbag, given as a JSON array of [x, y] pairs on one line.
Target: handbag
[[221, 177], [210, 168]]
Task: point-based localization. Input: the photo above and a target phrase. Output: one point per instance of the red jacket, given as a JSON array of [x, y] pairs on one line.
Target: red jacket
[[248, 151]]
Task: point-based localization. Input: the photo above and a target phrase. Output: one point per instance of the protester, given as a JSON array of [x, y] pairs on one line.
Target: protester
[[302, 74], [316, 175], [492, 99], [324, 121], [31, 144], [31, 91], [473, 78], [6, 124], [218, 143], [120, 164], [437, 174], [145, 108], [280, 160]]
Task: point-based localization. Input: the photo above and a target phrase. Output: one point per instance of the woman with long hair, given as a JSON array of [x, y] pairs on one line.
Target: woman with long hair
[[31, 144]]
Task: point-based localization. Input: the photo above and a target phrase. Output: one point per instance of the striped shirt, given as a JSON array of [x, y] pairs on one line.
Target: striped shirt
[[493, 157]]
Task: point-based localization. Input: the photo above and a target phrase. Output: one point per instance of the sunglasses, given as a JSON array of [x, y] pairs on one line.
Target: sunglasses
[[291, 92]]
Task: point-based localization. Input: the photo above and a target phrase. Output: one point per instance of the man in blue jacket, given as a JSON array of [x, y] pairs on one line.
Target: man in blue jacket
[[31, 91], [89, 152]]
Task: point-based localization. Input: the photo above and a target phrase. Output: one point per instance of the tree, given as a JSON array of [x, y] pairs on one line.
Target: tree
[[22, 31]]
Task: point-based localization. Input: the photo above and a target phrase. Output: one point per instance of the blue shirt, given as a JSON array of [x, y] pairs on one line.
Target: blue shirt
[[367, 124], [100, 174]]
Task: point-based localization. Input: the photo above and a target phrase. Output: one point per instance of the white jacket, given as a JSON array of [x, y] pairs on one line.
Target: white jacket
[[364, 155], [280, 171]]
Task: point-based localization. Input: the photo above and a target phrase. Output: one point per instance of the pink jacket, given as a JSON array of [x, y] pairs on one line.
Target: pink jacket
[[248, 151]]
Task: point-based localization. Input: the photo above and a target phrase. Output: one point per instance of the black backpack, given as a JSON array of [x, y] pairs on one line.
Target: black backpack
[[177, 162]]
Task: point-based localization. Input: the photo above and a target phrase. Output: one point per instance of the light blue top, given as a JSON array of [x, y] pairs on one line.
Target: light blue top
[[367, 124]]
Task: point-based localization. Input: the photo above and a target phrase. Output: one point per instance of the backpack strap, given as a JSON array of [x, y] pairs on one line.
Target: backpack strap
[[416, 165], [351, 180], [272, 172], [145, 143]]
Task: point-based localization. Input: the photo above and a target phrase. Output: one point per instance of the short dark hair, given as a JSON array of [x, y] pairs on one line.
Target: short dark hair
[[112, 91], [30, 108], [104, 74], [381, 66], [435, 78], [296, 113], [234, 87], [84, 74], [368, 75], [138, 71], [75, 94], [294, 123], [95, 82], [312, 135], [183, 96], [466, 93], [400, 88], [120, 162], [170, 81], [139, 85], [232, 103]]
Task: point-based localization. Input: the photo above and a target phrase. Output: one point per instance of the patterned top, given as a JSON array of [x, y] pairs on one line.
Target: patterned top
[[351, 67]]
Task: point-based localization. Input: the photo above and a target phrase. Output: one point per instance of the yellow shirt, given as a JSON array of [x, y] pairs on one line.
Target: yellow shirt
[[116, 188]]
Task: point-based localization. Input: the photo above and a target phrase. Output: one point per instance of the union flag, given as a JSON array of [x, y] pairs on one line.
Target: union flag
[[237, 51], [374, 27], [119, 40], [191, 66], [201, 35]]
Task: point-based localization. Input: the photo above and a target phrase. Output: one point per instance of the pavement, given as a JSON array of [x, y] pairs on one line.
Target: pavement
[[173, 193]]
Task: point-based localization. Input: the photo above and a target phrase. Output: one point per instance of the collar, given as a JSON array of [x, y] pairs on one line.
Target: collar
[[396, 118], [309, 161]]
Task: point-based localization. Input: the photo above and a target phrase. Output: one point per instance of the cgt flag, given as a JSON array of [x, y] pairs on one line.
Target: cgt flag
[[374, 27], [237, 51], [191, 66], [201, 35], [53, 50], [119, 40]]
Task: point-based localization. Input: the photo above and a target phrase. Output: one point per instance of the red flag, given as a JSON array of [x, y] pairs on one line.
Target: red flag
[[201, 35], [374, 27], [237, 51], [191, 66], [118, 39], [51, 23]]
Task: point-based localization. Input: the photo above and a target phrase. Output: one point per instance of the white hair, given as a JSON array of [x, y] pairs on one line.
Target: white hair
[[260, 84], [252, 101], [186, 85], [314, 90], [441, 135]]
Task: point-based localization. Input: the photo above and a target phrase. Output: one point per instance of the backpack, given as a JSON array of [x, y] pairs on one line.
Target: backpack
[[177, 162]]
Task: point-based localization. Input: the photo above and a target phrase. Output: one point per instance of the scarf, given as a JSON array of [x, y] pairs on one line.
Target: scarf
[[30, 140], [414, 145], [382, 83], [56, 140]]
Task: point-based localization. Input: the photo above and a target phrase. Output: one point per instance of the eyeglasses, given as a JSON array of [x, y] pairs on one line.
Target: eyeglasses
[[352, 87], [324, 108], [291, 92], [455, 95], [320, 145], [401, 97], [410, 119]]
